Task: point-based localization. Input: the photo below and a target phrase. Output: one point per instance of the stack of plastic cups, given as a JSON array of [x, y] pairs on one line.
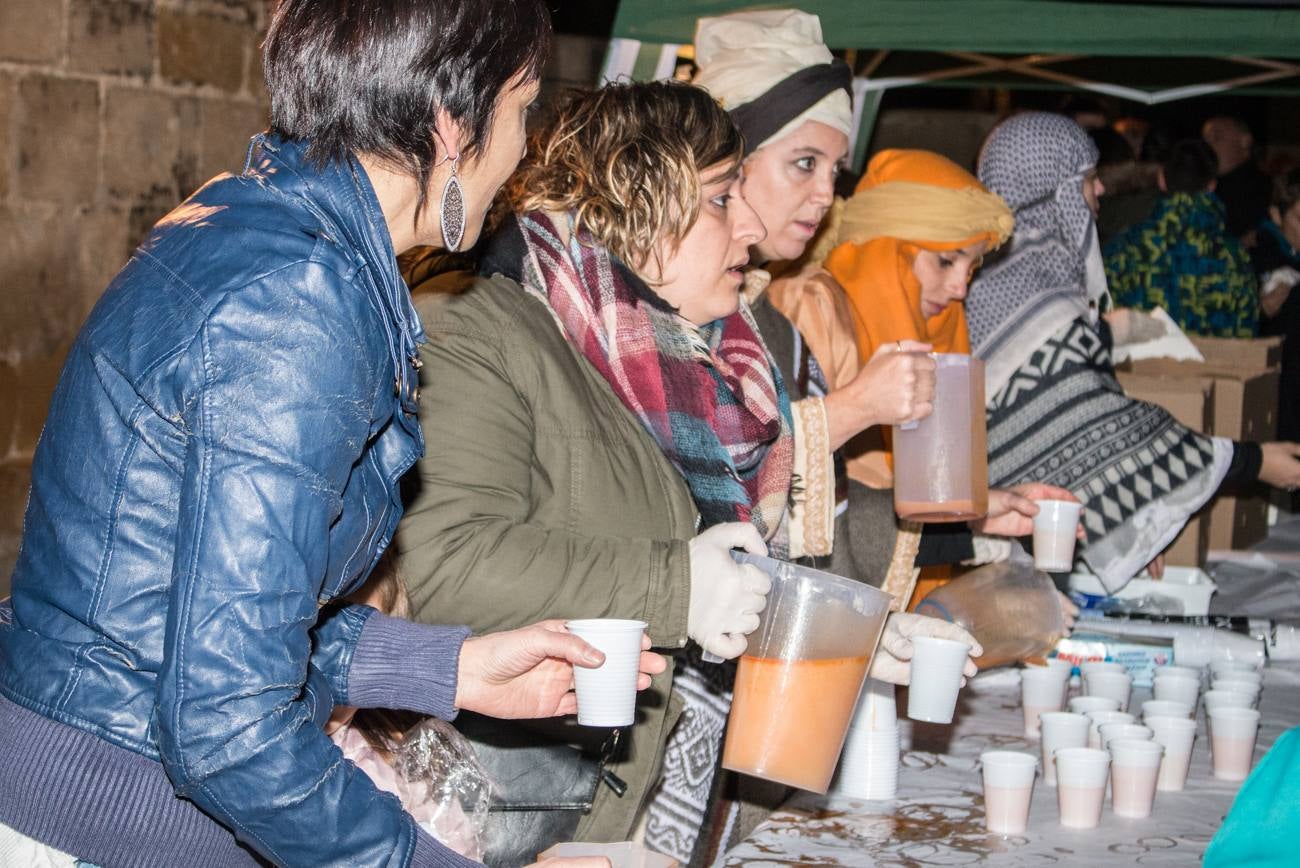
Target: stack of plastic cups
[[1008, 785], [1081, 774], [1232, 741], [1177, 735], [869, 761], [1134, 771], [1060, 730], [1041, 690]]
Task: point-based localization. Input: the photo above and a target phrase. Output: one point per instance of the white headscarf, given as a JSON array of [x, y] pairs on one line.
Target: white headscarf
[[742, 55]]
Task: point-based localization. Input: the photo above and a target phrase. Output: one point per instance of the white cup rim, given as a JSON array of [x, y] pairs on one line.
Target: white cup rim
[[611, 625], [1232, 712]]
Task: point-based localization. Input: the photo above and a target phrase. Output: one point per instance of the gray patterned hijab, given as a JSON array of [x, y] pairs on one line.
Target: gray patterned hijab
[[1036, 162]]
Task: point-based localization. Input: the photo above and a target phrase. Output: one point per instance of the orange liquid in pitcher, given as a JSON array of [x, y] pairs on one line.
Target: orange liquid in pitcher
[[933, 513], [789, 717]]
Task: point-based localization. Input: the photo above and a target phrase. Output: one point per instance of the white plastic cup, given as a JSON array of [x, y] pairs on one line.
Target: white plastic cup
[[1115, 685], [1062, 669], [1134, 771], [1234, 685], [1254, 676], [937, 666], [1055, 526], [607, 694], [1232, 741], [1186, 671], [1215, 699], [1008, 785], [1177, 734], [1177, 688], [1111, 731], [1101, 666], [1081, 774], [1059, 730], [1099, 719], [1085, 704], [1223, 668], [1166, 708], [1040, 691]]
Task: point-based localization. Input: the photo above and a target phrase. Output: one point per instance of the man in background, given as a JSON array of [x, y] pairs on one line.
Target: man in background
[[1244, 188]]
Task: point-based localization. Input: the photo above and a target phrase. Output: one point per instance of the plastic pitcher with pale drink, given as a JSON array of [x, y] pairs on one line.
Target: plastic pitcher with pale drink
[[941, 470], [799, 680]]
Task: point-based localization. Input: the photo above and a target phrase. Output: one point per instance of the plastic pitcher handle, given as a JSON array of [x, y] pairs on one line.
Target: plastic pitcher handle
[[710, 657]]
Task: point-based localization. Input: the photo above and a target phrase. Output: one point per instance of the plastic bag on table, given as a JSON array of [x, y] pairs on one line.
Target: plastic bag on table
[[447, 789], [1011, 608]]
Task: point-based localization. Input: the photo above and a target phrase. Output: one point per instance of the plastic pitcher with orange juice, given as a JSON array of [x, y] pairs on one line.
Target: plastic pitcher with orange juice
[[798, 683]]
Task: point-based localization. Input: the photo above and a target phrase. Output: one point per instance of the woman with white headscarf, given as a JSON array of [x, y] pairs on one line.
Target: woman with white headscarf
[[1056, 413]]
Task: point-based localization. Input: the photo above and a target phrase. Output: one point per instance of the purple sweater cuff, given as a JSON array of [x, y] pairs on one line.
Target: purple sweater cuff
[[430, 853], [403, 665]]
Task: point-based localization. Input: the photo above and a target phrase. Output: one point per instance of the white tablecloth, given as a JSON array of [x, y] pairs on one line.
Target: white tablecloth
[[938, 818]]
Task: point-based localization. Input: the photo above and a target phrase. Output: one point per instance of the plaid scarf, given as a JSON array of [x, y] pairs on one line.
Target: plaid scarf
[[710, 395]]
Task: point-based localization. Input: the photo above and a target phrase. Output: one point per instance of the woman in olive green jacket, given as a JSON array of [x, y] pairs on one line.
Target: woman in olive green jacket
[[543, 489]]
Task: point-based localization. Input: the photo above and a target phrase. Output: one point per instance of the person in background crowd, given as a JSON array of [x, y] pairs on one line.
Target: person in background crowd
[[1055, 410], [1085, 111], [218, 468], [1244, 188], [1277, 262], [1130, 186], [1181, 258]]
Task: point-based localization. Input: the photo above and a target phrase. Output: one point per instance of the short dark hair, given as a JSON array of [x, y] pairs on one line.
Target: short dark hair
[[369, 76], [1190, 167], [1112, 148]]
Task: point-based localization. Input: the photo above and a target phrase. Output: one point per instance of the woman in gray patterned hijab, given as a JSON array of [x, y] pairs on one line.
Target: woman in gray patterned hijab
[[1043, 167], [1056, 413]]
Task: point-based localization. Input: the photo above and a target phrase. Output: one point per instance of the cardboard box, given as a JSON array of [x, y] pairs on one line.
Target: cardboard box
[[1191, 401], [1257, 353], [1245, 408]]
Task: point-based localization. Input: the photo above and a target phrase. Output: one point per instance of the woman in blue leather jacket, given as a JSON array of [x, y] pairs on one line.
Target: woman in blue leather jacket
[[220, 464]]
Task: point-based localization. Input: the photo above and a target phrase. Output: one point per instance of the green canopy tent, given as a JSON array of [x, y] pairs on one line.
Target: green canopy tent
[[1147, 52]]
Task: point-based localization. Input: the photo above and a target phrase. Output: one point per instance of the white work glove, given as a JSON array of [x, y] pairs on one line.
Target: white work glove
[[892, 662], [726, 597]]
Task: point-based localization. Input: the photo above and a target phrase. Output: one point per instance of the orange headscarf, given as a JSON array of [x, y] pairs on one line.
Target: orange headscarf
[[907, 201]]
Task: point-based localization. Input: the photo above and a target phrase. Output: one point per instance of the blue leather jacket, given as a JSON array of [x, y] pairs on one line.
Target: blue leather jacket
[[221, 460]]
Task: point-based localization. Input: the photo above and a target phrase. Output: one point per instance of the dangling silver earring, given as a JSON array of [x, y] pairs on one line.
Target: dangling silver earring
[[452, 210]]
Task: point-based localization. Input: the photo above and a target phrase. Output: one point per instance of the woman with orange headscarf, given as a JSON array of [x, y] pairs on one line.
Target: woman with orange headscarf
[[904, 248]]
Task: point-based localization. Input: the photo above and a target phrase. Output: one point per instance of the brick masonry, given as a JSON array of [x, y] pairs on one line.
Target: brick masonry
[[111, 112]]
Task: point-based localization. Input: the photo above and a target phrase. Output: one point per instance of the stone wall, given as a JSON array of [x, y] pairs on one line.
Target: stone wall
[[111, 112]]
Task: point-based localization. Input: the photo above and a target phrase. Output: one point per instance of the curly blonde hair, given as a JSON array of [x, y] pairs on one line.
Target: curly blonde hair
[[627, 160]]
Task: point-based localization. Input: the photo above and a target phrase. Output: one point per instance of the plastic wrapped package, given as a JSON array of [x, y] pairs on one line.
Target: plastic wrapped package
[[439, 765], [1011, 608], [434, 772]]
